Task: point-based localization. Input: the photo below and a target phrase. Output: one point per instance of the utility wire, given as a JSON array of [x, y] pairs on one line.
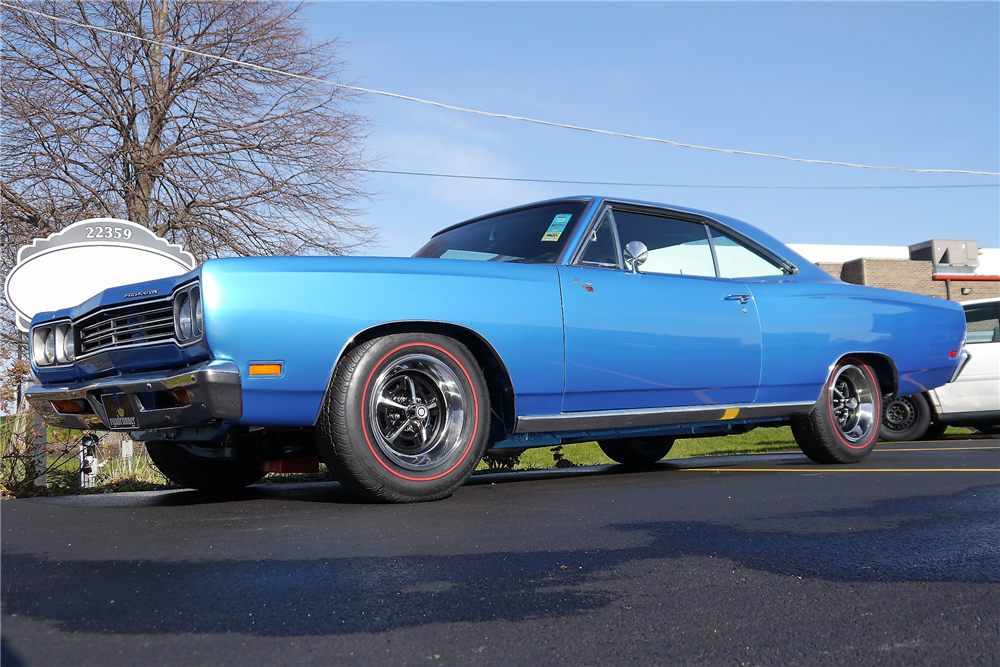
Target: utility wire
[[677, 185], [490, 114]]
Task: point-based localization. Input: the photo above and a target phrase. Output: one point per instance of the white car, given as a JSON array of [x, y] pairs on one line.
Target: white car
[[973, 399]]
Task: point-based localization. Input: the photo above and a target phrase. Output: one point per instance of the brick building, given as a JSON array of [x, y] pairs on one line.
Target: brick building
[[955, 270]]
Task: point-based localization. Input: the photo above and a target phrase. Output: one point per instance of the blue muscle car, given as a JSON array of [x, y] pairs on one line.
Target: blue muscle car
[[569, 320]]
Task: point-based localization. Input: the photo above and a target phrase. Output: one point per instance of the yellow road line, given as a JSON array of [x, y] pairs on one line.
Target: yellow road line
[[843, 469], [931, 449], [882, 448]]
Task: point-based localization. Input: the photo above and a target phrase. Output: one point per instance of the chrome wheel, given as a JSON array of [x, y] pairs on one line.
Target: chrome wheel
[[852, 403], [416, 409]]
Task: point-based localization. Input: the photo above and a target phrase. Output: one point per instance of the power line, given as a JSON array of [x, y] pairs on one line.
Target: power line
[[677, 185], [490, 114]]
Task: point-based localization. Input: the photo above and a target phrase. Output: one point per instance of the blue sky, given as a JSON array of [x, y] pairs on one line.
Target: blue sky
[[896, 84]]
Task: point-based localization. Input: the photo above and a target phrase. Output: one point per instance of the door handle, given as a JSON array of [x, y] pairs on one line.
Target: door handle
[[742, 298]]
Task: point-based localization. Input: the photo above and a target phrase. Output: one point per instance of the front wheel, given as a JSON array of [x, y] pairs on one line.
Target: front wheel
[[904, 418], [406, 418], [186, 469], [843, 426], [637, 452]]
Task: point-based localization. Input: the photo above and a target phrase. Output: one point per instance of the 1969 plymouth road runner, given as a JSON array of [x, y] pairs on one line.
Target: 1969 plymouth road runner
[[578, 319]]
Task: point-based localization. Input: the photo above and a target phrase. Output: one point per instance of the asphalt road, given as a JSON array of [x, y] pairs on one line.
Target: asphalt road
[[739, 560]]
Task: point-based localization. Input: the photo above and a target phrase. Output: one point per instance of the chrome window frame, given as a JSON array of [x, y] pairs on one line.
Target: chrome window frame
[[593, 227], [787, 267]]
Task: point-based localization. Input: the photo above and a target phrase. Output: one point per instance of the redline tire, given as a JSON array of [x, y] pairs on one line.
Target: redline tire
[[637, 452], [904, 418], [195, 472], [843, 426], [406, 418]]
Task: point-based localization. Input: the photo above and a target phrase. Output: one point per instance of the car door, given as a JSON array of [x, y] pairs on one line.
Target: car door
[[671, 335]]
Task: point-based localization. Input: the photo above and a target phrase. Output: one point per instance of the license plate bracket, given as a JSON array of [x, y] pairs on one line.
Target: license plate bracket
[[120, 412]]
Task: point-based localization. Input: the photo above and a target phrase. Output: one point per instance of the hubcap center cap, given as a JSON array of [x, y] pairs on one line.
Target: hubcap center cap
[[416, 412]]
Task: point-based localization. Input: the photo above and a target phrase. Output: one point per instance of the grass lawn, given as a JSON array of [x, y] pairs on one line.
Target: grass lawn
[[756, 441], [138, 474]]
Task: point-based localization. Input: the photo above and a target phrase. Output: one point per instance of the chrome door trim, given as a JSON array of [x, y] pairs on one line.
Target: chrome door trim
[[605, 419]]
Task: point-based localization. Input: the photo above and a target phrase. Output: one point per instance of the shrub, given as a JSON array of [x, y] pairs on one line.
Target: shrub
[[20, 465]]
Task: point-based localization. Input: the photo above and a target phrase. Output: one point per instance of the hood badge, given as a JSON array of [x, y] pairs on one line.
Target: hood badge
[[148, 292], [587, 286]]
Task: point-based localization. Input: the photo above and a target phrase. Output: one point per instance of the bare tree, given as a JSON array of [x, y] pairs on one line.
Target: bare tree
[[225, 159]]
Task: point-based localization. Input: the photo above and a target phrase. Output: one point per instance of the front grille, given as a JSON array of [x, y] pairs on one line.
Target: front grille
[[127, 326]]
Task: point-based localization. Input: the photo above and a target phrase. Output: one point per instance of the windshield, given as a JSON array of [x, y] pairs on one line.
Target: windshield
[[534, 235]]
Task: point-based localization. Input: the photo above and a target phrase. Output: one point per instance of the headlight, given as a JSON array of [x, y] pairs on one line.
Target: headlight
[[65, 346], [182, 321], [199, 316], [189, 318], [43, 346]]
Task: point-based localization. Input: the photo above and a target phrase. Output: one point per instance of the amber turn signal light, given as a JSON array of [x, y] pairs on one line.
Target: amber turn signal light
[[265, 369], [69, 407], [182, 396]]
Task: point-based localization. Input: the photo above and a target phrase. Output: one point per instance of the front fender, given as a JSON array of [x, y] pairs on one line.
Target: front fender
[[304, 311]]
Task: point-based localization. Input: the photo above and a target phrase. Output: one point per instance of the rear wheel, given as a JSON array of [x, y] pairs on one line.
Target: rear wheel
[[904, 418], [189, 470], [637, 452], [843, 426], [406, 418]]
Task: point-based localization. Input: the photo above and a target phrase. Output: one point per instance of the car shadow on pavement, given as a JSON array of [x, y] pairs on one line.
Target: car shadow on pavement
[[332, 492], [951, 538], [324, 491], [8, 656]]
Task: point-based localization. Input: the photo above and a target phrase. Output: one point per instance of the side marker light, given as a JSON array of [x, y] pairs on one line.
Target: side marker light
[[265, 369]]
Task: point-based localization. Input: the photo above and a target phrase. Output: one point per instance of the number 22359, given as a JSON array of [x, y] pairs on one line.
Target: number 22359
[[109, 233]]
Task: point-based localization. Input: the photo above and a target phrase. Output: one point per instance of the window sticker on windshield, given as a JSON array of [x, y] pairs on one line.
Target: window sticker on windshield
[[557, 227]]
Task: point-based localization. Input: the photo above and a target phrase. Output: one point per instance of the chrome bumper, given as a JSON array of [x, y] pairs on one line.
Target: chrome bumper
[[213, 388], [963, 359]]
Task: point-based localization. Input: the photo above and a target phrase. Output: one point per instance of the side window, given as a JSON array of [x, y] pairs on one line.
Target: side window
[[982, 324], [675, 246], [738, 261], [602, 249]]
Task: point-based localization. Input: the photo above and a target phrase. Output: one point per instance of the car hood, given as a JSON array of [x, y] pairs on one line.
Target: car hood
[[130, 293]]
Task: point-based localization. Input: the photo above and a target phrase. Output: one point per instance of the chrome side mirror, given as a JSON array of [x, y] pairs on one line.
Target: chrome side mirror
[[635, 255]]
